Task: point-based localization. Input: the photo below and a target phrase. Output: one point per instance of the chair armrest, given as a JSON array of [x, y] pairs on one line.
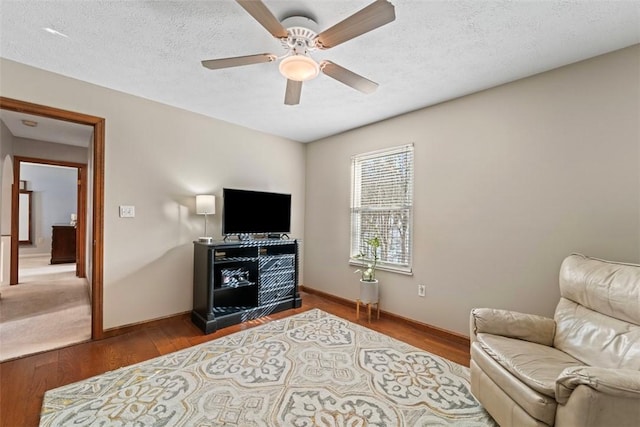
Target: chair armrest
[[528, 327], [614, 382]]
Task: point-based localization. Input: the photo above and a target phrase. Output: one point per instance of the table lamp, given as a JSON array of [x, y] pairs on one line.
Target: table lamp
[[205, 205]]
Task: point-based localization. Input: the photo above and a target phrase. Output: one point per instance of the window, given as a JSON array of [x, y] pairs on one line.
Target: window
[[382, 205]]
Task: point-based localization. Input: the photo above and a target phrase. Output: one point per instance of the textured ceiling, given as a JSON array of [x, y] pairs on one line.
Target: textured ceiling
[[434, 51]]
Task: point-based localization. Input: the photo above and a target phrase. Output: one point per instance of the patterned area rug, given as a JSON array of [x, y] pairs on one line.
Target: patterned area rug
[[311, 369]]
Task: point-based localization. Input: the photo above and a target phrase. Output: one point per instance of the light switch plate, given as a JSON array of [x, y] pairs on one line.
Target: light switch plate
[[127, 211]]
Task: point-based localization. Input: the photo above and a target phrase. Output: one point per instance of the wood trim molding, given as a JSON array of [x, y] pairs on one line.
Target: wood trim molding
[[97, 245], [50, 162], [81, 224], [15, 225], [51, 112], [98, 230], [81, 211], [434, 331], [133, 327], [429, 329]]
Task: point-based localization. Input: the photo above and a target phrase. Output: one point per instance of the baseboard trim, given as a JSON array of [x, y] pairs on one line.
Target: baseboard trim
[[424, 327], [132, 327], [429, 329]]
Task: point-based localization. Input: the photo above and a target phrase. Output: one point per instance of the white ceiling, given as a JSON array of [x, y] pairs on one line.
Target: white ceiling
[[48, 130], [434, 51]]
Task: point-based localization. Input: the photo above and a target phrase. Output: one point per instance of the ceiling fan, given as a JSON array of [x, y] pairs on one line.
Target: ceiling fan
[[299, 37]]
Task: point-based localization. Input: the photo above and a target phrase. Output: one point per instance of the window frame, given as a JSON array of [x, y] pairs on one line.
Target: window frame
[[356, 162]]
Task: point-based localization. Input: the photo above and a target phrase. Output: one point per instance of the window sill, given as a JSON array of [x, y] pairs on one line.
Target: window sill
[[400, 270]]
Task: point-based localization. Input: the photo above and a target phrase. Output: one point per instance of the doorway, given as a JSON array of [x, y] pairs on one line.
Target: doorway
[[58, 224], [94, 215]]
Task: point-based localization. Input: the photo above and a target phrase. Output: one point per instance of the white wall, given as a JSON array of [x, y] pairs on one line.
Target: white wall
[[507, 183], [54, 199], [158, 158]]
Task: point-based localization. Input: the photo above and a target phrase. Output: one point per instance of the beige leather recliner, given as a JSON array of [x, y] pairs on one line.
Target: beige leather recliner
[[581, 368]]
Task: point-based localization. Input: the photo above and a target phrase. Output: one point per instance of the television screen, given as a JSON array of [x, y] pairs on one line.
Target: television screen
[[255, 212]]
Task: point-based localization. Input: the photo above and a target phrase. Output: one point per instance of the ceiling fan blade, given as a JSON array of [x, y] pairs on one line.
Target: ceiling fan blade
[[236, 61], [263, 15], [347, 77], [292, 94], [377, 14]]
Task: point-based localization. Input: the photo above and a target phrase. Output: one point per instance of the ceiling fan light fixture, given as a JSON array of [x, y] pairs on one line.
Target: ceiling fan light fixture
[[299, 68]]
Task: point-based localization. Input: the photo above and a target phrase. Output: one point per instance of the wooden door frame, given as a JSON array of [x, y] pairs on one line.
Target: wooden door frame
[[97, 249], [81, 210]]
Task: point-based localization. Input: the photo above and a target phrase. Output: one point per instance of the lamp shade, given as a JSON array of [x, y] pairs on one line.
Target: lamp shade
[[205, 204], [299, 68]]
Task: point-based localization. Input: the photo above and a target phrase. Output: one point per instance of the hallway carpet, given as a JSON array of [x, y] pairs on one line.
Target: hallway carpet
[[44, 314]]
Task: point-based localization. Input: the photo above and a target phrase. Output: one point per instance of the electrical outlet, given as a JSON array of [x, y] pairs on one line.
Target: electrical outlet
[[127, 211], [422, 291]]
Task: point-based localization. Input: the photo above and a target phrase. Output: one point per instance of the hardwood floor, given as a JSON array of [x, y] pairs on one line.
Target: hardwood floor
[[24, 381]]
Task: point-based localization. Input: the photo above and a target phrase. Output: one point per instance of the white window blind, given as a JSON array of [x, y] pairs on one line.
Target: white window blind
[[382, 205]]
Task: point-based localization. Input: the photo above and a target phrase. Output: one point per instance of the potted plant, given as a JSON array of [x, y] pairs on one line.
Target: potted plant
[[369, 290]]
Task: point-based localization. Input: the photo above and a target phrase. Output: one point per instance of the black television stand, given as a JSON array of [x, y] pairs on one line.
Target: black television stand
[[242, 280]]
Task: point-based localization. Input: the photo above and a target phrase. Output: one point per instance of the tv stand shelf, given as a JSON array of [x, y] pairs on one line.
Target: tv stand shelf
[[238, 281]]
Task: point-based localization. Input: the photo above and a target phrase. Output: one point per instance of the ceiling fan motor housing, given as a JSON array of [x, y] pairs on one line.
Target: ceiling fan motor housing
[[302, 32]]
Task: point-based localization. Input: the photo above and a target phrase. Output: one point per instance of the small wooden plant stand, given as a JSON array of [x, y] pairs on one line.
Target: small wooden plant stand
[[368, 305]]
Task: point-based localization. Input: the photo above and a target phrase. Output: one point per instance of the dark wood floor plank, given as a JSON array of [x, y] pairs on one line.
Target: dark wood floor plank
[[162, 341], [24, 381], [16, 386]]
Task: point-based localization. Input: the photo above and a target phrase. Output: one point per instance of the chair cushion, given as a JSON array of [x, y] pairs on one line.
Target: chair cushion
[[499, 403], [536, 405], [536, 365]]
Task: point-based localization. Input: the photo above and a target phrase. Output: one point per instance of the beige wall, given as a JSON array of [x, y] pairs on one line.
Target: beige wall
[[6, 180], [507, 183], [157, 158], [26, 147]]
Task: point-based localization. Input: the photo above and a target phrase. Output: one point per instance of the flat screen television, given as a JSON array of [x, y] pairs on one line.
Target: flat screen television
[[255, 212]]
